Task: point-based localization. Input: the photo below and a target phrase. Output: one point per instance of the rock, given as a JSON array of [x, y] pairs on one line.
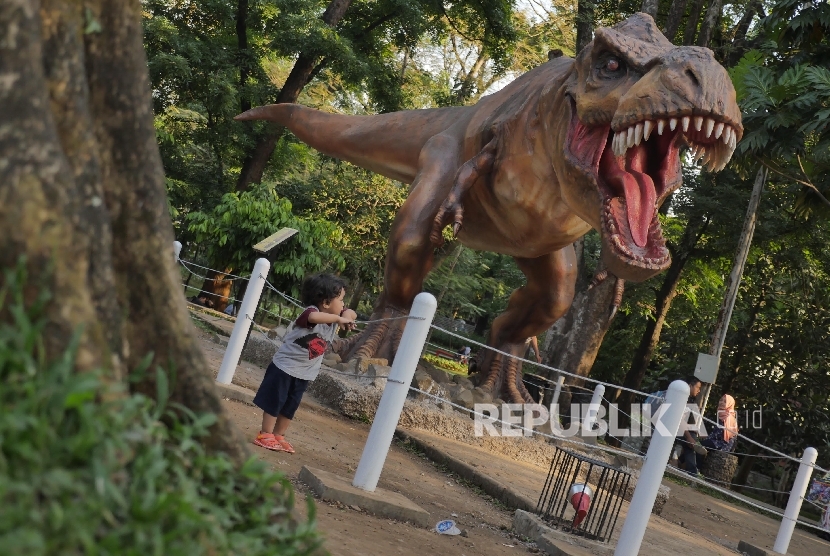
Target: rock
[[464, 398], [220, 339], [349, 367], [278, 332], [463, 381], [422, 381], [481, 396], [438, 375], [334, 356], [260, 350], [362, 363]]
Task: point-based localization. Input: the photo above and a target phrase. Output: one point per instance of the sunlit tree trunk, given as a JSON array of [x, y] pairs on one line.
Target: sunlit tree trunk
[[82, 197]]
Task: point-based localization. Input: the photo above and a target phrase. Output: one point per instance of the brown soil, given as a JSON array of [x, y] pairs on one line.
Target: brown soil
[[692, 524]]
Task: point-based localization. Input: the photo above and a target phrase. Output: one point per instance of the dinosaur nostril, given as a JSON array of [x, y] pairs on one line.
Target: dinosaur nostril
[[693, 77]]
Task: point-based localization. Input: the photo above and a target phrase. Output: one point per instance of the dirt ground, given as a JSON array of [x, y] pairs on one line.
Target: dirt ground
[[692, 524]]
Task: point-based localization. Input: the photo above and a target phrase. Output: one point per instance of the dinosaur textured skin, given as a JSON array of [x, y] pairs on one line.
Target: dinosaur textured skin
[[571, 145]]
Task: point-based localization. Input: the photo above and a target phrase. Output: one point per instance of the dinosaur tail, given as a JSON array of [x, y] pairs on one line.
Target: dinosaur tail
[[388, 144]]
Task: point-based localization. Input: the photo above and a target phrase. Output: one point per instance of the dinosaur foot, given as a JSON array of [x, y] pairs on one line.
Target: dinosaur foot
[[501, 375], [379, 339]]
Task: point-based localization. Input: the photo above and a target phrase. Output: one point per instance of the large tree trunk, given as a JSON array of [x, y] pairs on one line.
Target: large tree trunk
[[691, 23], [83, 202], [584, 23], [707, 28], [651, 335], [678, 8], [304, 68], [650, 7], [572, 342]]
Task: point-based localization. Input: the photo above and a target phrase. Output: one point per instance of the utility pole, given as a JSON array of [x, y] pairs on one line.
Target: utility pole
[[733, 283]]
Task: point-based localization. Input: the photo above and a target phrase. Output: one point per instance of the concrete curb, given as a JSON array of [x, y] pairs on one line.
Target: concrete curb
[[329, 486], [235, 393], [500, 492]]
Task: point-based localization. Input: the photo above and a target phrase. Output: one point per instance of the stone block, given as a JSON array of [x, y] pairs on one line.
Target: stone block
[[463, 381], [349, 367], [438, 375], [720, 466], [329, 486], [553, 542], [422, 381], [277, 333]]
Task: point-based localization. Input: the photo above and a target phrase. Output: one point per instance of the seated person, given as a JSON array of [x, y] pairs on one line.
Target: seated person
[[725, 434], [464, 354], [688, 442]]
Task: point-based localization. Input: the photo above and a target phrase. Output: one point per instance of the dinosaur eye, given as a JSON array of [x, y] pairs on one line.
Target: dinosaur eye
[[610, 66]]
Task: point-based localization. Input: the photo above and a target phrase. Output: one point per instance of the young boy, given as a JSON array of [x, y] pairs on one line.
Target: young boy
[[298, 360]]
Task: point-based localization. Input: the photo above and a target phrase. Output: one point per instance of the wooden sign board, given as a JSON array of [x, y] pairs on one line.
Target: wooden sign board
[[273, 240]]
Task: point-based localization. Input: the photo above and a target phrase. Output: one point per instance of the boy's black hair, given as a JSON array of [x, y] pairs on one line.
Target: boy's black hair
[[691, 380], [318, 288]]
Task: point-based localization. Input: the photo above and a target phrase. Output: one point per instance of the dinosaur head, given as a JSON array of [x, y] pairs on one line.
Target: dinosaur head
[[636, 101]]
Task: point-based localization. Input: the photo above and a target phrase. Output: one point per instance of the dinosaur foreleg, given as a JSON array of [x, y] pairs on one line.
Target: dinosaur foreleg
[[451, 209], [532, 309], [410, 254]]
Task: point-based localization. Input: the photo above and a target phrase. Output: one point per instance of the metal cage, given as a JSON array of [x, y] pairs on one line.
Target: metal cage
[[582, 496]]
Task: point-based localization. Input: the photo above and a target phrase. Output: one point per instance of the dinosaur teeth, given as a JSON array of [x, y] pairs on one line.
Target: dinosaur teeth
[[698, 123], [710, 125], [718, 130], [630, 137], [638, 134], [648, 125], [685, 122], [672, 123], [660, 125]]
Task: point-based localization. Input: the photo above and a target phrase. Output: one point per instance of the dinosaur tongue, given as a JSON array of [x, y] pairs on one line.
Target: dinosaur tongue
[[636, 185]]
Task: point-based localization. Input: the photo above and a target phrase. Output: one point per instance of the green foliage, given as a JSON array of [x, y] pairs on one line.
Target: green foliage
[[784, 91], [86, 468], [363, 204], [239, 221]]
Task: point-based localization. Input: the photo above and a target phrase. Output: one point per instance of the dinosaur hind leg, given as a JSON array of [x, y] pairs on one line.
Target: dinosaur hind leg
[[410, 254], [532, 309]]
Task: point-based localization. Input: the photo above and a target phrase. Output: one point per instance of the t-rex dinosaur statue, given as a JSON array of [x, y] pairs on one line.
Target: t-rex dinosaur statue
[[570, 145]]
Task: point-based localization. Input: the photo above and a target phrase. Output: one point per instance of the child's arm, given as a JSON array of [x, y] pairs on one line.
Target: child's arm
[[319, 317]]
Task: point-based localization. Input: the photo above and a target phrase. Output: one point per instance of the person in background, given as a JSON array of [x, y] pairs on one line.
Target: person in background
[[690, 448], [464, 354], [725, 434], [532, 343]]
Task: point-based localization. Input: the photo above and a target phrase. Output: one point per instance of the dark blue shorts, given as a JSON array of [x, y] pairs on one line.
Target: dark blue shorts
[[280, 393]]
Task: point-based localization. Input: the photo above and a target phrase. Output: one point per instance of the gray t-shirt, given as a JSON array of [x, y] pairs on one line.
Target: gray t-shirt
[[302, 349]]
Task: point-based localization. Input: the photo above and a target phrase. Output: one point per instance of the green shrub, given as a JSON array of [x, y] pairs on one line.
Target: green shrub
[[86, 468], [447, 364]]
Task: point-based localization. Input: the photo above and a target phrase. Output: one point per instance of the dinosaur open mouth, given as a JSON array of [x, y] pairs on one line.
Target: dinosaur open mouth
[[635, 169]]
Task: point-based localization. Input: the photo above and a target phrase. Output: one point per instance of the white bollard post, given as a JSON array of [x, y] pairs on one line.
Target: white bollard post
[[394, 394], [244, 319], [177, 249], [642, 502], [802, 480], [593, 409]]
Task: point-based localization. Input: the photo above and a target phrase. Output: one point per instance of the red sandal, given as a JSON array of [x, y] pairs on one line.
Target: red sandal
[[269, 442], [286, 446]]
